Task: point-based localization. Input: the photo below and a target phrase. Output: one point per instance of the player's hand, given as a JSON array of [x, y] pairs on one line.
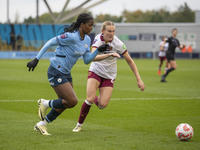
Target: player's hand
[[115, 55], [32, 64], [161, 48], [183, 46], [103, 48], [141, 85]]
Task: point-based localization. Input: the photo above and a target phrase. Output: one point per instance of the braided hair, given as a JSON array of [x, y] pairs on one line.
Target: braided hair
[[82, 18]]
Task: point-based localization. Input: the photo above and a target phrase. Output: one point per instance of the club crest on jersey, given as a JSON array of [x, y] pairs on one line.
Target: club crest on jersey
[[63, 36], [86, 46]]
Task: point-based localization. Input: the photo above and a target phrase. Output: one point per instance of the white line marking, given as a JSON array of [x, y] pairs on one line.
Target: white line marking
[[156, 98], [117, 99], [18, 100]]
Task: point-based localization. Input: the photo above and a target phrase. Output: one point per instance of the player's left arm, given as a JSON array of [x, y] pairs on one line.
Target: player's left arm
[[181, 46], [133, 67], [88, 56]]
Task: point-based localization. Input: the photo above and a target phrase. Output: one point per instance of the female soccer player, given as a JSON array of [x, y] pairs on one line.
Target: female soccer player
[[71, 45], [162, 54], [173, 43], [103, 71]]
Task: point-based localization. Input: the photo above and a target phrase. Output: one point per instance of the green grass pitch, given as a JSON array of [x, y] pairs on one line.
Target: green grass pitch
[[133, 120]]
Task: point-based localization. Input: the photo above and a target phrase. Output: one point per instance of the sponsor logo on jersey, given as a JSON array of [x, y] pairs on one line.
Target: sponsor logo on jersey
[[106, 52], [78, 53]]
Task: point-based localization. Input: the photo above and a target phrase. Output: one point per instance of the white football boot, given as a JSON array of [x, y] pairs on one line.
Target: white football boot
[[41, 129], [42, 109], [77, 128]]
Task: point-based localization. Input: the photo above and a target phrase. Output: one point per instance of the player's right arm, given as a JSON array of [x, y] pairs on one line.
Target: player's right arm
[[162, 45], [33, 63], [103, 56], [47, 45]]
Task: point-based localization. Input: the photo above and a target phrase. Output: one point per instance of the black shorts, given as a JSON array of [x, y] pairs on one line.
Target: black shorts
[[169, 56], [56, 77]]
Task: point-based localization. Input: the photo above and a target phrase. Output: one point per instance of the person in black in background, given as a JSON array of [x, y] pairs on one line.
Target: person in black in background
[[19, 42], [173, 44], [12, 40]]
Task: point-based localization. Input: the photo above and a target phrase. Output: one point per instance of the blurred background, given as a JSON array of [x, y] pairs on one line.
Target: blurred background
[[26, 25]]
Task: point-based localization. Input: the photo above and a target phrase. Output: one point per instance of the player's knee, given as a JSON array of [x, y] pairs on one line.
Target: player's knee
[[74, 103], [102, 106], [91, 99], [173, 68], [70, 103]]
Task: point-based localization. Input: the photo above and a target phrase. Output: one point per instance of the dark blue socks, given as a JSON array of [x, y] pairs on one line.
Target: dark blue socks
[[52, 115], [56, 104]]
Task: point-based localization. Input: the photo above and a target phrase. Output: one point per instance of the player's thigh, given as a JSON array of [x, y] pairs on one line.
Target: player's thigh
[[173, 64], [66, 92], [92, 86], [105, 94]]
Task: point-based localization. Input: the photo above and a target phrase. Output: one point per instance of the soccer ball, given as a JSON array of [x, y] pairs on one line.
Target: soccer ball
[[184, 132]]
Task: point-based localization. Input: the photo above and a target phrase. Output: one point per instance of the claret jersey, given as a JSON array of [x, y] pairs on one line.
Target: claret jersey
[[107, 68]]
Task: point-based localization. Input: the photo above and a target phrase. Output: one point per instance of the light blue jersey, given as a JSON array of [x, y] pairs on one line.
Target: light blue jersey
[[70, 47], [69, 50]]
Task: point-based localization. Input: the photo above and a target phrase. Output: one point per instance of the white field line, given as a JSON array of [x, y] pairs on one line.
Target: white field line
[[117, 99], [158, 98]]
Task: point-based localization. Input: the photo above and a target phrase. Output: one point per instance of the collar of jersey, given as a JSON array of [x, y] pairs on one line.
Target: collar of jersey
[[101, 37]]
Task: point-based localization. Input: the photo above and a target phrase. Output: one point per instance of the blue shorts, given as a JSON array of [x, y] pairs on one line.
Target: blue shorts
[[56, 77]]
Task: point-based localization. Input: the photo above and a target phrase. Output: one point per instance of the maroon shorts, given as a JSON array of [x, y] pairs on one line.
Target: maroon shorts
[[103, 82], [162, 58]]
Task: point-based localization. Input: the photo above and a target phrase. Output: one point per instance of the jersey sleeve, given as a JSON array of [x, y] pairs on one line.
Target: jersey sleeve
[[121, 47], [169, 40], [178, 43], [64, 39], [87, 45], [97, 42]]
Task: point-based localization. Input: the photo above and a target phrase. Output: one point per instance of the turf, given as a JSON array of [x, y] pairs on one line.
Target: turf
[[133, 119]]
